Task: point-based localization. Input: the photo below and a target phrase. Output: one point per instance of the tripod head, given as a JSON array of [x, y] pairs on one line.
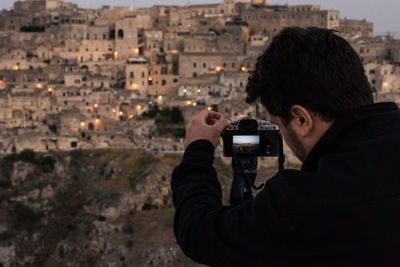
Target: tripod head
[[244, 176]]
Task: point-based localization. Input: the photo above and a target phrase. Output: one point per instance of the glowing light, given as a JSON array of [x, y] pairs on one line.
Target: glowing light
[[150, 102], [209, 108], [116, 54], [160, 97], [188, 102], [97, 121], [150, 79], [138, 107], [174, 51], [121, 113], [218, 69], [184, 90], [39, 86], [130, 116], [244, 69], [198, 90], [137, 50], [15, 68], [96, 105], [114, 110], [385, 84], [134, 86], [83, 124], [50, 90], [194, 104]]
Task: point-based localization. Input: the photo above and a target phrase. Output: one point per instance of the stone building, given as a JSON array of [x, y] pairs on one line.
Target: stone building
[[23, 107], [196, 64], [257, 45], [137, 74], [361, 28], [269, 20], [153, 76], [370, 50]]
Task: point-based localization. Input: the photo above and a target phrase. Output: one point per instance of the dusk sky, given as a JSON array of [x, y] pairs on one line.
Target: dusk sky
[[383, 13], [246, 139]]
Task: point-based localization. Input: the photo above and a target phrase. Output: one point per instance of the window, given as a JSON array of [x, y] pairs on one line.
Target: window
[[233, 64], [371, 71], [204, 65], [132, 75], [194, 64], [142, 74], [163, 83]]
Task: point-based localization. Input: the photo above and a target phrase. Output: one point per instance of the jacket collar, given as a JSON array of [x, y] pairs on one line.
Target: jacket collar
[[350, 128]]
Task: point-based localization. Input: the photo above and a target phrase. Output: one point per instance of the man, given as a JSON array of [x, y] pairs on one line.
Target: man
[[342, 208]]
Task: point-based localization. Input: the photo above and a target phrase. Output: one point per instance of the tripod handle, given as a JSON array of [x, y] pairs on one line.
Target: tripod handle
[[237, 190]]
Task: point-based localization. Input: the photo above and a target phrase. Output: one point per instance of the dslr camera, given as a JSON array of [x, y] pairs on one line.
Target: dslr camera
[[248, 137]]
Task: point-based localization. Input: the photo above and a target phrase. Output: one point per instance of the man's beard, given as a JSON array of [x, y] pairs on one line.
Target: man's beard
[[295, 145]]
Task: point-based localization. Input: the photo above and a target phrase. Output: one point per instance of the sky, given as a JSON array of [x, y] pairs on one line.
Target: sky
[[383, 13], [246, 139]]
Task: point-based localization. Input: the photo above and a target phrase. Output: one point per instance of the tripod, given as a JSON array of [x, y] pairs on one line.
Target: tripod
[[244, 176]]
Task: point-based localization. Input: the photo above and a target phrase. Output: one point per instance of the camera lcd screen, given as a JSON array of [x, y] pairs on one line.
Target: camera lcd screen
[[245, 144]]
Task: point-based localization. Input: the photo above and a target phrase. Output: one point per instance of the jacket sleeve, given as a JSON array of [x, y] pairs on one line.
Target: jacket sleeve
[[218, 235]]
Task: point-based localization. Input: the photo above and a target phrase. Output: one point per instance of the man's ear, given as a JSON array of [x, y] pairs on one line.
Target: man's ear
[[301, 121]]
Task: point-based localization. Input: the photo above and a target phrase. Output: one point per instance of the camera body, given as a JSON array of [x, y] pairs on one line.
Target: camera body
[[248, 137]]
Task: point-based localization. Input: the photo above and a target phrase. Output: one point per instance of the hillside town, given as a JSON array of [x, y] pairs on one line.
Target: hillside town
[[76, 78]]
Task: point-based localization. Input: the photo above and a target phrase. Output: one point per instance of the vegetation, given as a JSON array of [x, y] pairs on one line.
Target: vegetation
[[4, 236], [5, 183], [45, 163], [140, 165], [25, 216], [169, 121]]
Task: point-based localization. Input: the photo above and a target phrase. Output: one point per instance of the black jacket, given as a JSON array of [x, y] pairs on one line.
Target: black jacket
[[341, 209]]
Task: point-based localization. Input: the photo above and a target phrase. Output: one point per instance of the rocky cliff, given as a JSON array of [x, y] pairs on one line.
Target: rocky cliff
[[90, 208]]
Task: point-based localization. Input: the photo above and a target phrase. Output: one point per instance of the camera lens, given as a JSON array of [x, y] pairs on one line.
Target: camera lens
[[248, 125]]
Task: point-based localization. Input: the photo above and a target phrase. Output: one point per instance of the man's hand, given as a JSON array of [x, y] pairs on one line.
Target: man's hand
[[206, 125]]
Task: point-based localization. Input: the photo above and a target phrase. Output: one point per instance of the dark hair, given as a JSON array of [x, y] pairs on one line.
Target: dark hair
[[311, 67]]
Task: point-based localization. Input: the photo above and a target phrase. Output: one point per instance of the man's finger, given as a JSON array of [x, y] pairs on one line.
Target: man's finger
[[211, 121], [205, 114], [222, 124]]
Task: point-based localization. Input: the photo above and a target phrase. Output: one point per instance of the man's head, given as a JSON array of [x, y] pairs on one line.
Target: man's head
[[305, 79]]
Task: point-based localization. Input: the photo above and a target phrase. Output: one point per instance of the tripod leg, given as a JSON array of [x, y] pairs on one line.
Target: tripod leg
[[237, 190]]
